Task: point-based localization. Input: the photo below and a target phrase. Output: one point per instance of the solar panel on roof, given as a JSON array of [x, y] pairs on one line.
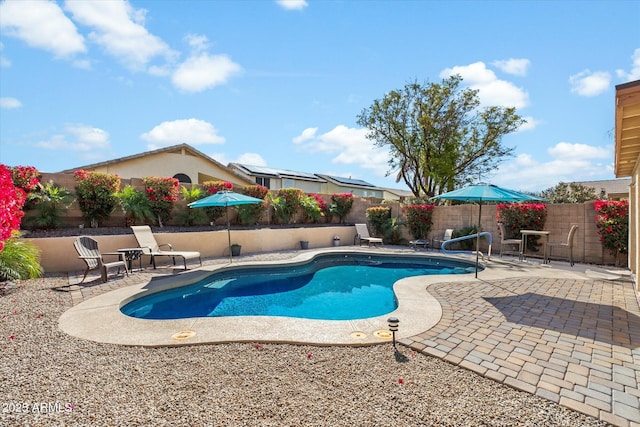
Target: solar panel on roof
[[350, 181]]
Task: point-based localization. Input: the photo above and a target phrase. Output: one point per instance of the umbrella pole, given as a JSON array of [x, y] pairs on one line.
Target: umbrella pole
[[478, 237], [229, 233]]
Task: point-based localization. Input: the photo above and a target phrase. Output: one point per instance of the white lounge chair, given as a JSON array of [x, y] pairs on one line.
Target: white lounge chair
[[362, 235], [437, 243], [147, 242]]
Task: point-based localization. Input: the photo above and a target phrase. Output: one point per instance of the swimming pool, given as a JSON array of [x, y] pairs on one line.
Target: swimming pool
[[328, 287]]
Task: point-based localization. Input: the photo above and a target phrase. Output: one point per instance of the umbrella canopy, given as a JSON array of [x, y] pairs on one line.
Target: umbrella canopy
[[225, 199], [485, 193]]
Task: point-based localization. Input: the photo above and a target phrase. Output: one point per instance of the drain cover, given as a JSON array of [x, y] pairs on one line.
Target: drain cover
[[183, 335], [383, 334], [358, 335]]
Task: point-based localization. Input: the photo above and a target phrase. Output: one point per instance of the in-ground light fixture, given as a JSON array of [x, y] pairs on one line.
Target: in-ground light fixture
[[393, 327]]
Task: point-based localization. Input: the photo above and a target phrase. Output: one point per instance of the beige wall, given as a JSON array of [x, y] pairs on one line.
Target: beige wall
[[59, 255], [170, 164], [634, 221]]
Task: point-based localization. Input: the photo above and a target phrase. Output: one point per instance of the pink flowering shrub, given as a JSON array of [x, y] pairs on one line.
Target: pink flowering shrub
[[12, 199], [250, 214], [419, 219], [612, 219], [163, 194], [95, 193], [341, 205], [522, 216]]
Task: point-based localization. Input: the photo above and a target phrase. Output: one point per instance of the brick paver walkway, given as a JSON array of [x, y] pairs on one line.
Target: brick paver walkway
[[574, 342]]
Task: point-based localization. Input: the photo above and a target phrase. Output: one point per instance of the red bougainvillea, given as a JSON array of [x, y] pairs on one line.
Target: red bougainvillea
[[522, 216], [419, 219], [12, 199], [212, 187], [25, 177], [162, 193], [612, 219]]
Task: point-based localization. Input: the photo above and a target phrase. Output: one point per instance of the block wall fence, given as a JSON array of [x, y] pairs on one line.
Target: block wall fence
[[560, 218]]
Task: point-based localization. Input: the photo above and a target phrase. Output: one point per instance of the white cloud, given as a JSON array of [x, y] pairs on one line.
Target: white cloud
[[634, 74], [569, 162], [491, 90], [119, 29], [292, 4], [204, 71], [513, 66], [77, 137], [307, 134], [4, 62], [41, 25], [586, 83], [198, 43], [347, 146], [10, 103], [565, 150], [189, 131], [253, 159]]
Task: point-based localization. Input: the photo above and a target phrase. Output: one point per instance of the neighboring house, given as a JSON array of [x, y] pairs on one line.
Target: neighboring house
[[614, 189], [275, 179], [181, 161], [627, 159], [357, 187]]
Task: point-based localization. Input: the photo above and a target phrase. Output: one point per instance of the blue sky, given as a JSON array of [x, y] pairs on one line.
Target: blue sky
[[281, 83]]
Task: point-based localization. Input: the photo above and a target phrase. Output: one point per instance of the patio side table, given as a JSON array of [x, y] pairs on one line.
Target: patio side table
[[131, 254], [525, 233]]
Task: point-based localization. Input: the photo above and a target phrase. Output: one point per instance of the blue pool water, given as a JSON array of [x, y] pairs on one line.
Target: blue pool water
[[330, 287]]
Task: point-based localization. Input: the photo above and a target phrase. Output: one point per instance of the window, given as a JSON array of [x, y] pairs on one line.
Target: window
[[182, 178], [263, 181]]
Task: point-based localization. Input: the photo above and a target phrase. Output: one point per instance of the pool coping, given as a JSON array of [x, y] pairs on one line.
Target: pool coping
[[100, 319]]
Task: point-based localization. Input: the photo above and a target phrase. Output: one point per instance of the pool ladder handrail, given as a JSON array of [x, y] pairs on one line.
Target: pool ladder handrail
[[470, 236]]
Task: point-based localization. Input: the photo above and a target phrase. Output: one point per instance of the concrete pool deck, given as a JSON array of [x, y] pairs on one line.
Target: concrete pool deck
[[570, 335]]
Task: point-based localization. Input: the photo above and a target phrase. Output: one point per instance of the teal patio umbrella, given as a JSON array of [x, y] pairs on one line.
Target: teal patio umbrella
[[479, 193], [225, 199]]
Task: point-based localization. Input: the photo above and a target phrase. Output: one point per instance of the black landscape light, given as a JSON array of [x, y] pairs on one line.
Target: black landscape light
[[393, 327]]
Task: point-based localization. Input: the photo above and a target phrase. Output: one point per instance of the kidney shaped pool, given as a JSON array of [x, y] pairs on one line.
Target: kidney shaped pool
[[328, 287]]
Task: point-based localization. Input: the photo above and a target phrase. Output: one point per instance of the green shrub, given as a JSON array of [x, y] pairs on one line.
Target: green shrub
[[250, 214], [95, 193], [50, 200], [19, 259], [212, 187], [188, 216], [135, 205], [312, 210], [286, 204], [468, 244], [377, 217]]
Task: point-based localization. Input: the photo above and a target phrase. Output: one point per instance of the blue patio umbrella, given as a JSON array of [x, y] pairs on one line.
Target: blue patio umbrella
[[480, 193], [225, 199]]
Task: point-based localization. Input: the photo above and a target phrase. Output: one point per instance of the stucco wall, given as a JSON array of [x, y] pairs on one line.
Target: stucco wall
[[59, 255]]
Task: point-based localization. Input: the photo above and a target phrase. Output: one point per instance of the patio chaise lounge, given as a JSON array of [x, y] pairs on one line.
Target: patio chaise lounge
[[147, 242], [87, 249], [362, 235]]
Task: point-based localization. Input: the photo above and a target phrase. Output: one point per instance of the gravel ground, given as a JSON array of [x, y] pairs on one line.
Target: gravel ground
[[58, 380]]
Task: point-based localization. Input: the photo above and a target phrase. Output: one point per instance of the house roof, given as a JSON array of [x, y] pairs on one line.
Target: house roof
[[627, 128], [348, 181], [266, 172], [610, 186], [175, 149]]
